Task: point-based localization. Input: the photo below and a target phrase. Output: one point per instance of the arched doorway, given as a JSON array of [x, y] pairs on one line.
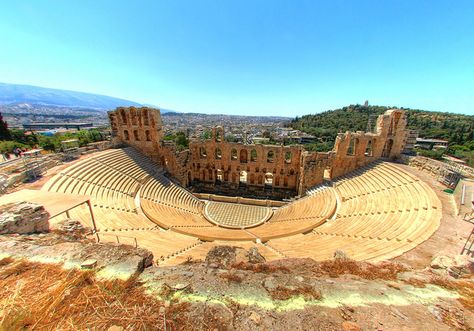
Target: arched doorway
[[268, 180], [243, 178], [219, 176]]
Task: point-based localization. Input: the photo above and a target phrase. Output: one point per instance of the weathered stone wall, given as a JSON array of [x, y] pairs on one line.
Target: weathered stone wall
[[356, 149], [217, 166], [234, 165], [138, 127]]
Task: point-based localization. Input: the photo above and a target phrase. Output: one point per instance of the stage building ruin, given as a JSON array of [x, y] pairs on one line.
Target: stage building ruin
[[276, 171]]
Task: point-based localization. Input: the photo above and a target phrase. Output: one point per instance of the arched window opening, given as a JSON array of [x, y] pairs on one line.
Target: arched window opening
[[243, 156], [218, 154], [268, 180], [288, 157], [135, 135], [145, 117], [219, 135], [253, 155], [252, 179], [123, 116], [126, 135], [202, 152], [388, 148], [292, 172], [233, 154], [243, 178], [368, 149], [277, 181], [147, 135], [133, 114], [270, 156], [351, 148]]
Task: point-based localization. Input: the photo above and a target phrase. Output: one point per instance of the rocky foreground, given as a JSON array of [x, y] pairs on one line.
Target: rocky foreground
[[62, 279]]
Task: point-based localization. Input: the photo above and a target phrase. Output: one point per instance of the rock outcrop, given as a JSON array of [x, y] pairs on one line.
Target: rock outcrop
[[22, 218]]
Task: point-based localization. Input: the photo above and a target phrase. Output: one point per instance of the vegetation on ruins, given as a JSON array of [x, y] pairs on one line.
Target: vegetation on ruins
[[179, 138], [458, 129]]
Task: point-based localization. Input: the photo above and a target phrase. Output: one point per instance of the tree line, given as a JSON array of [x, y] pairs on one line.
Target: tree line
[[457, 129]]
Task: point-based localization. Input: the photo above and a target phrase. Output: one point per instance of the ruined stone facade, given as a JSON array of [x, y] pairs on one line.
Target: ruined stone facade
[[217, 166]]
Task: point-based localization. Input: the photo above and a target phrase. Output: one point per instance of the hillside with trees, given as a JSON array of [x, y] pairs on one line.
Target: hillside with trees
[[458, 129]]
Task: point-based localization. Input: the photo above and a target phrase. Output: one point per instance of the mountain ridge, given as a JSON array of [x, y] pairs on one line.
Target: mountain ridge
[[31, 94]]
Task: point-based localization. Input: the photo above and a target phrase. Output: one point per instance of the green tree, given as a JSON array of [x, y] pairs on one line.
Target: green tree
[[4, 132]]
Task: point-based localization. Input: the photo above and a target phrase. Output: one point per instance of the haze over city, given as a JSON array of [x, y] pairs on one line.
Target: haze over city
[[246, 58]]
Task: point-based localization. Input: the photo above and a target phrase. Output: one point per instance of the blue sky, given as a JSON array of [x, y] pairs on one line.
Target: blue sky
[[246, 57]]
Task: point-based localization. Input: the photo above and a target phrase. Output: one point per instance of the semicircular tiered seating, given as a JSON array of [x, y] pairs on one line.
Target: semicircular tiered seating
[[374, 213]]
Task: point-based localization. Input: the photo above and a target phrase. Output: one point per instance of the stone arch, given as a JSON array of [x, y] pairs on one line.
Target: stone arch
[[147, 135], [218, 153], [126, 135], [352, 146], [133, 115], [252, 178], [219, 134], [277, 180], [243, 156], [388, 148], [270, 156], [268, 179], [234, 177], [123, 116], [135, 135], [369, 150], [233, 154], [243, 178], [219, 175], [146, 121], [202, 152], [253, 155]]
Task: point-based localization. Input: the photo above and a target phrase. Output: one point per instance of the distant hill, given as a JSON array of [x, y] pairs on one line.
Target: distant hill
[[27, 94]]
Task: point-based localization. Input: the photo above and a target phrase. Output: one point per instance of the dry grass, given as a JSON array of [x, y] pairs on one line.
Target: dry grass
[[285, 293], [46, 297], [335, 268], [5, 261], [464, 287], [231, 277], [266, 268]]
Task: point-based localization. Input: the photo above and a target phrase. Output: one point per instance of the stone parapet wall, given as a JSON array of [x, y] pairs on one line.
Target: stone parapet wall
[[245, 201]]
